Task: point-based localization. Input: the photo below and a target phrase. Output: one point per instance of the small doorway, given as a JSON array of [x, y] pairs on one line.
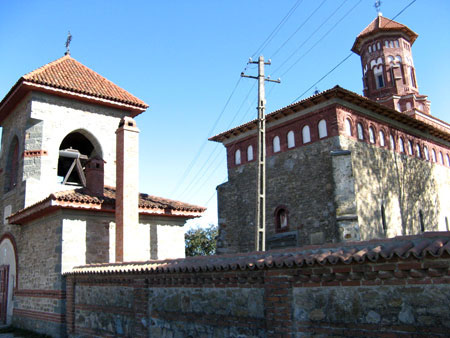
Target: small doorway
[[4, 278]]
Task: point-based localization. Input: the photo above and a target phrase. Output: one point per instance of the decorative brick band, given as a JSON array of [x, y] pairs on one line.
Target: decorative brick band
[[51, 294], [105, 309], [34, 153], [40, 315]]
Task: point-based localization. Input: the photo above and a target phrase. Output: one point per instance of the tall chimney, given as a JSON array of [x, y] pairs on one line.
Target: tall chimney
[[127, 191], [95, 175]]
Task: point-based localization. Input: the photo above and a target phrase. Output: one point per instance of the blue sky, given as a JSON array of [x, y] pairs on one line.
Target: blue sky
[[184, 59]]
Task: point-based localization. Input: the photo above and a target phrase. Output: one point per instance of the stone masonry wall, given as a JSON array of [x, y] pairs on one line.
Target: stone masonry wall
[[377, 298], [293, 177]]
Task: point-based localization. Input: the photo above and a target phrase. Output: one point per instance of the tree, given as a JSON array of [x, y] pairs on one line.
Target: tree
[[201, 241]]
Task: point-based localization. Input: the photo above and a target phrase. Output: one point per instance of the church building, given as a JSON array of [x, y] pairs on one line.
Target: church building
[[341, 166], [69, 190]]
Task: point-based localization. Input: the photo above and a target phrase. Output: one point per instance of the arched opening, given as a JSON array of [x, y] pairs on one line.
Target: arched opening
[[382, 141], [371, 135], [250, 153], [12, 165], [290, 139], [322, 129], [75, 149], [8, 275], [306, 135], [237, 157], [348, 127], [360, 130], [276, 144], [281, 219]]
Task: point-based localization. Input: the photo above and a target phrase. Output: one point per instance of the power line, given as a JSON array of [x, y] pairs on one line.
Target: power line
[[298, 28], [323, 37], [277, 28]]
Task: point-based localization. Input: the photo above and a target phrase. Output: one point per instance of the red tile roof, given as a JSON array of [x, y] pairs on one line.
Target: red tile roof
[[68, 77], [82, 199], [69, 74], [432, 244], [382, 24], [442, 131]]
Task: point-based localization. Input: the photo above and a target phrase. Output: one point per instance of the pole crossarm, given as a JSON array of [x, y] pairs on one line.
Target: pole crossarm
[[260, 233]]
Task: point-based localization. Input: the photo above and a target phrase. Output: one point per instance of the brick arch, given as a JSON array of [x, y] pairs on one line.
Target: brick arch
[[9, 236]]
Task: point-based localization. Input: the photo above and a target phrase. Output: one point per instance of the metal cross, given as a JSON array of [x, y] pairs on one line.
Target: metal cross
[[377, 6], [69, 38]]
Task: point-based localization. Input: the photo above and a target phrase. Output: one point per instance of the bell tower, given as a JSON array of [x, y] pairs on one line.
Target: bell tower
[[389, 76]]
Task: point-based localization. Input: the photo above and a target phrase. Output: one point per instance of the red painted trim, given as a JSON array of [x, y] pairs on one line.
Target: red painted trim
[[8, 235], [51, 294], [40, 315]]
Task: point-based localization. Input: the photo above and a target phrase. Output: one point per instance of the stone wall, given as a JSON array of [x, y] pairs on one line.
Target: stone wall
[[331, 290], [293, 177]]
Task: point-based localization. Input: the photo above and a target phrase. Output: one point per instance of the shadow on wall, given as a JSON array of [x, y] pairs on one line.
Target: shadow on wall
[[400, 186]]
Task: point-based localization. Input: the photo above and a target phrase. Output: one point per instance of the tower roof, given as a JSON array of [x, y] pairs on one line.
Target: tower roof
[[68, 77], [382, 24]]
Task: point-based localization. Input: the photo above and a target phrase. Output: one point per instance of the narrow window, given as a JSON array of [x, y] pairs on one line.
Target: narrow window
[[371, 135], [281, 219], [237, 157], [250, 153], [396, 43], [12, 165], [381, 135], [378, 46], [392, 142], [402, 145], [348, 127], [322, 129], [433, 155], [290, 139], [374, 47], [420, 106], [360, 131], [306, 135], [370, 49], [410, 147], [380, 81], [413, 78], [441, 158], [383, 218], [386, 44], [418, 152], [399, 107], [448, 160], [276, 144], [391, 44], [422, 225], [427, 155], [408, 105]]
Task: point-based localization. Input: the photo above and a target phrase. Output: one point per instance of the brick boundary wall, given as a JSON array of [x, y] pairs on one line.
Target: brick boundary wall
[[395, 288]]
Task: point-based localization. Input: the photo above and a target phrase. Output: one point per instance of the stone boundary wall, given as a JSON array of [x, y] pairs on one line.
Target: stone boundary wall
[[375, 296]]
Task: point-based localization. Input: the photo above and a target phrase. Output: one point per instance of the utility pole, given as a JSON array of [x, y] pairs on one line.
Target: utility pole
[[260, 233]]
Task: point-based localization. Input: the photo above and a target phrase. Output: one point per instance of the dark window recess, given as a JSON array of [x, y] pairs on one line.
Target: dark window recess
[[380, 81], [422, 225], [12, 166], [281, 219], [383, 218], [74, 151]]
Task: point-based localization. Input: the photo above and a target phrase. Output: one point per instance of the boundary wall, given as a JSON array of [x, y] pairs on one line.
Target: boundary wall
[[396, 287]]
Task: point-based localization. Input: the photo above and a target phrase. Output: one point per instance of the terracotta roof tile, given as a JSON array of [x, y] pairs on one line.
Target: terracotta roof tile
[[69, 74], [382, 24], [435, 244], [83, 199]]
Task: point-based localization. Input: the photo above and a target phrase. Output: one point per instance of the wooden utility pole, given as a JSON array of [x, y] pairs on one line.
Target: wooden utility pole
[[260, 233]]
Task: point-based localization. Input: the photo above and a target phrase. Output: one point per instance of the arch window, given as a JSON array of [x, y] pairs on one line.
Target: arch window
[[392, 142], [425, 151], [433, 155], [391, 60], [370, 49], [391, 44], [382, 141], [402, 145], [410, 147], [348, 127], [379, 78], [408, 105], [399, 107], [371, 135], [441, 158], [306, 135], [374, 47], [360, 129], [398, 58], [386, 44], [250, 153], [413, 78], [276, 144], [290, 139], [378, 46], [396, 43], [448, 160], [237, 157], [418, 151], [420, 106], [281, 219], [322, 129], [12, 165]]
